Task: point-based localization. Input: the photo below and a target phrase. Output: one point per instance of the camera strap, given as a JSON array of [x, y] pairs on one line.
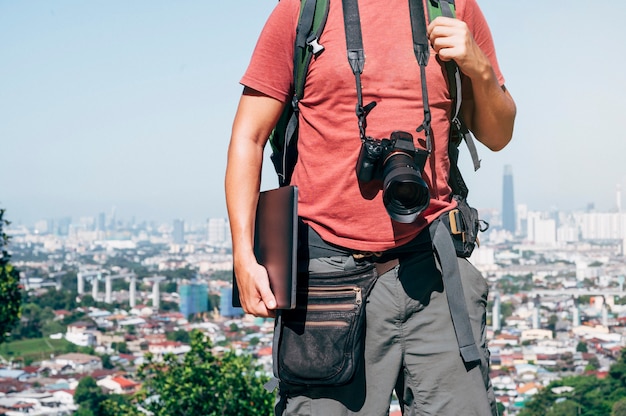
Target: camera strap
[[356, 58], [442, 241]]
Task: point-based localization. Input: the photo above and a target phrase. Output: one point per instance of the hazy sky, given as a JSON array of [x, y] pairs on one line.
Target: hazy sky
[[128, 105]]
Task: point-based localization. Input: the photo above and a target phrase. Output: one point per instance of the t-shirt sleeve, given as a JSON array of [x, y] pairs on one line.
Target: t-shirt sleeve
[[471, 14], [270, 70]]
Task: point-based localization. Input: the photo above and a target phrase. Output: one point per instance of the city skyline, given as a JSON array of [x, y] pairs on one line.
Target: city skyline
[[128, 106]]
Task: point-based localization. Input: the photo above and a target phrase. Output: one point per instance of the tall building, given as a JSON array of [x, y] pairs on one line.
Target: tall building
[[508, 200], [218, 231], [101, 224], [194, 298], [178, 235], [541, 230]]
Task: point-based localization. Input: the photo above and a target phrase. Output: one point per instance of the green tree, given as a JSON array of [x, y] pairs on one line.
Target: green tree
[[89, 397], [203, 384], [565, 408], [10, 293], [619, 408], [179, 335], [120, 347], [31, 322], [116, 405], [592, 364], [106, 361], [58, 299]]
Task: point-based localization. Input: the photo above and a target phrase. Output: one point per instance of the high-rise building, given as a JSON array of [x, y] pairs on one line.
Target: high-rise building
[[541, 230], [194, 298], [218, 231], [63, 226], [101, 224], [508, 200], [178, 234]]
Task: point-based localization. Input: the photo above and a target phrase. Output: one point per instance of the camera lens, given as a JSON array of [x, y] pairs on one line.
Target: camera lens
[[405, 194]]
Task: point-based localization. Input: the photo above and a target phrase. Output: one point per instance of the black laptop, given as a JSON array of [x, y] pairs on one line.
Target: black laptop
[[276, 243]]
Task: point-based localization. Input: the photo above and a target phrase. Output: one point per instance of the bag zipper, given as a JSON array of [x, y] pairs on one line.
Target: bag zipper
[[336, 291]]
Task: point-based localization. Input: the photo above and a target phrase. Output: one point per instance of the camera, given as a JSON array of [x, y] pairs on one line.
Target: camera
[[399, 165]]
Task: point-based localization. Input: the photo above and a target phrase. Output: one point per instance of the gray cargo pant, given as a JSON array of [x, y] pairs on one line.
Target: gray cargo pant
[[410, 346]]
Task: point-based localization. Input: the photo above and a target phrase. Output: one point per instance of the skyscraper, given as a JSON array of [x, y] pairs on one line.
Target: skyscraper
[[178, 234], [508, 200]]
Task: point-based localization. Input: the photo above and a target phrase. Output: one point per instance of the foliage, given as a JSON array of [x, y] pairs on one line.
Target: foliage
[[10, 293], [179, 335], [56, 299], [33, 319], [591, 396], [119, 406], [120, 347], [619, 408], [88, 396], [203, 384]]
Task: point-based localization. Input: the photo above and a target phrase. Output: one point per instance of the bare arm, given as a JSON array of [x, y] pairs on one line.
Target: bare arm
[[490, 112], [255, 118]]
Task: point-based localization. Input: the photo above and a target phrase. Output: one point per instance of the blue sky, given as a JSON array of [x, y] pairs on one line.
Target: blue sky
[[129, 105]]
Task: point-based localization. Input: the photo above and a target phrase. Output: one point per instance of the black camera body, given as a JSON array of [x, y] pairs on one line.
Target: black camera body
[[397, 163]]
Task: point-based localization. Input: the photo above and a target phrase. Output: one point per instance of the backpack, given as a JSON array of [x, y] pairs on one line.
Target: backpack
[[283, 139]]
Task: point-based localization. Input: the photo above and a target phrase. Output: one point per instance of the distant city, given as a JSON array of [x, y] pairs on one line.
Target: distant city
[[511, 222]]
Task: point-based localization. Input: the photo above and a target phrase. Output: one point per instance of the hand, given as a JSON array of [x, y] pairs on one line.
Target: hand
[[452, 40], [254, 290]]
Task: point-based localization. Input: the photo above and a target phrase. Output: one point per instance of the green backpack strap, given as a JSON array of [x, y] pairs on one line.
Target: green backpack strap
[[284, 137], [459, 130]]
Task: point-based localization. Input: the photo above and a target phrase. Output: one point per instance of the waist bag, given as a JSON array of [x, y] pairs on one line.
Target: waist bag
[[464, 225], [320, 343]]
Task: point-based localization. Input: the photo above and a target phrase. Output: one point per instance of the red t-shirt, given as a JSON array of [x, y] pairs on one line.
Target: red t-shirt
[[330, 197]]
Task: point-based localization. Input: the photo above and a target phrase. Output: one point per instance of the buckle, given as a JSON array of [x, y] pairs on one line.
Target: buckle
[[455, 221]]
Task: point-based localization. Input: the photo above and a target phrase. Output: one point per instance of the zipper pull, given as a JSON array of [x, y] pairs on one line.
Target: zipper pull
[[359, 297]]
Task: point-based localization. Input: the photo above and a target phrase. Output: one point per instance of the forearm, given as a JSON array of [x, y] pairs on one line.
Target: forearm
[[242, 188]]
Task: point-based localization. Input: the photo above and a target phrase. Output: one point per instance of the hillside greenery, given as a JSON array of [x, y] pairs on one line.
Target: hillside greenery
[[10, 291], [586, 395]]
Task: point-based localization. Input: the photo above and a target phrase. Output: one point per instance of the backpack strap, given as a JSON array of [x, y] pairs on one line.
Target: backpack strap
[[459, 130], [451, 275], [284, 137]]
